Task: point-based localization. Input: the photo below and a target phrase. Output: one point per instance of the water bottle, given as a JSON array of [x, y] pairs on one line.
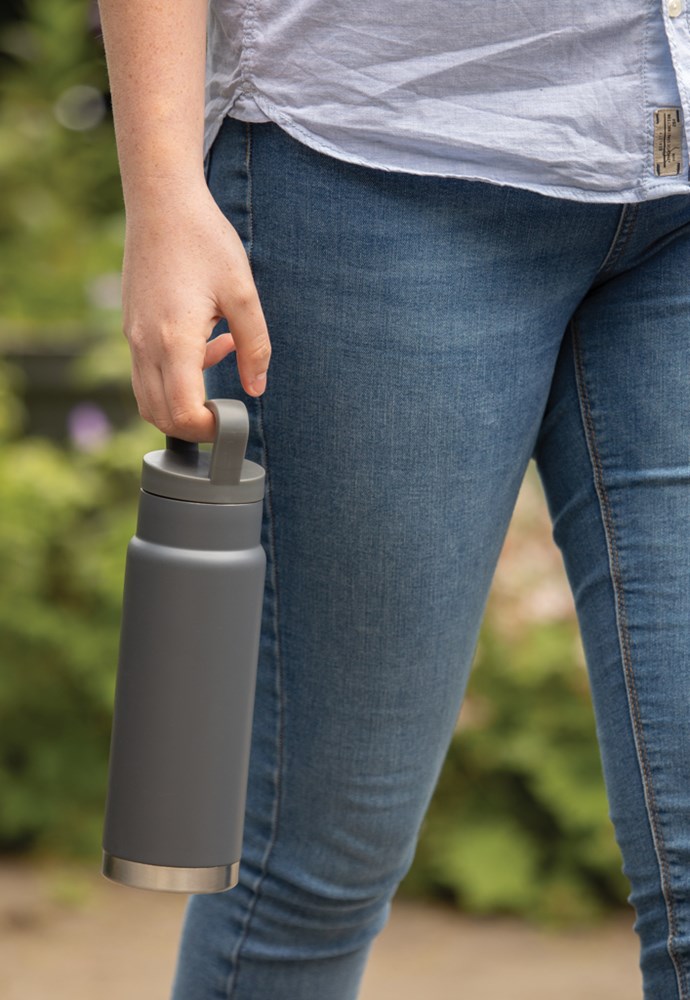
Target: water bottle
[[186, 677]]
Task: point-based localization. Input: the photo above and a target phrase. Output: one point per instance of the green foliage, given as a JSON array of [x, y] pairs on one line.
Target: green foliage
[[61, 220], [67, 517], [519, 821]]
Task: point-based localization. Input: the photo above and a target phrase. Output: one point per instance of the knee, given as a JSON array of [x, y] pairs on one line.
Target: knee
[[319, 900]]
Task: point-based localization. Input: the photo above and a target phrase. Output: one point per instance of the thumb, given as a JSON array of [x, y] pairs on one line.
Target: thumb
[[249, 332]]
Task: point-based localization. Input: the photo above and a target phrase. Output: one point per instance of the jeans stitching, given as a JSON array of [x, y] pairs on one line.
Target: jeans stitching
[[625, 645], [279, 686], [624, 231], [250, 204]]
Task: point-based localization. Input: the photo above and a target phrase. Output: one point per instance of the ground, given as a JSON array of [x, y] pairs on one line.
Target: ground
[[66, 933]]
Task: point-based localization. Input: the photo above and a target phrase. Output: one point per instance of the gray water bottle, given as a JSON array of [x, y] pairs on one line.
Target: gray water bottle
[[186, 676]]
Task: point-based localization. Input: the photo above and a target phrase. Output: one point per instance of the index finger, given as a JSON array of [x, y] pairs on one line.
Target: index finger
[[183, 384]]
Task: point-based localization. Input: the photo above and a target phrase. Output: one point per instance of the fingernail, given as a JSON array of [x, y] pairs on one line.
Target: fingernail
[[259, 383]]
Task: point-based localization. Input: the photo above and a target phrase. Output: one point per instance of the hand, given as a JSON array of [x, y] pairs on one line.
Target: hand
[[184, 268]]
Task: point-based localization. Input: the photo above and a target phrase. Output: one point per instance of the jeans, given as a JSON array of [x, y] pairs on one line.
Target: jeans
[[430, 336]]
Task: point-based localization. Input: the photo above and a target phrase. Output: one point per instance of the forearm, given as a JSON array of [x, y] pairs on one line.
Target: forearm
[[155, 53], [184, 264]]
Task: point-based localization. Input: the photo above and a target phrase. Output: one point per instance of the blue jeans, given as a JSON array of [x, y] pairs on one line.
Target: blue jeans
[[430, 336]]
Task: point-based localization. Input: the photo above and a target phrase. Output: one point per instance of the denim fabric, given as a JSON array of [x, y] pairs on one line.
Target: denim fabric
[[430, 336]]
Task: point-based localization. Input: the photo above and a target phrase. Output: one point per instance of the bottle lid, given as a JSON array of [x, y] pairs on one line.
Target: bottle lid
[[182, 472]]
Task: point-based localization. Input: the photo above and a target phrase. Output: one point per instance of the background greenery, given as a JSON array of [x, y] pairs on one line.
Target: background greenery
[[519, 822]]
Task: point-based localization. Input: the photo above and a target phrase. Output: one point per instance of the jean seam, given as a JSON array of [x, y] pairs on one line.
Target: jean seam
[[624, 230], [250, 202], [625, 647], [279, 686]]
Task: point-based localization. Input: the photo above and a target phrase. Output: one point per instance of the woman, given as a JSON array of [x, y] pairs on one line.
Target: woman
[[461, 236]]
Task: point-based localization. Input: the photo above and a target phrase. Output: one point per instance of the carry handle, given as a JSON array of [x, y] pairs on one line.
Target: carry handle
[[229, 444]]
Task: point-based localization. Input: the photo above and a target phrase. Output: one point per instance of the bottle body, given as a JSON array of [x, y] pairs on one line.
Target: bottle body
[[184, 699]]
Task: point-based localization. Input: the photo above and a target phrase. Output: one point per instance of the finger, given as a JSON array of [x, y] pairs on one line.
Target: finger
[[148, 389], [140, 396], [183, 384], [218, 348], [246, 319]]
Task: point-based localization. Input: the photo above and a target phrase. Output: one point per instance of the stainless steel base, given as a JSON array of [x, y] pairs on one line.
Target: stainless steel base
[[140, 876]]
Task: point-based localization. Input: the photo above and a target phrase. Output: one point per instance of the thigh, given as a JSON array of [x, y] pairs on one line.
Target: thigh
[[415, 325], [614, 456]]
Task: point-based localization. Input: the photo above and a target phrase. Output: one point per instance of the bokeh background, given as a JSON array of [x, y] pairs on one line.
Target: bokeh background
[[518, 829]]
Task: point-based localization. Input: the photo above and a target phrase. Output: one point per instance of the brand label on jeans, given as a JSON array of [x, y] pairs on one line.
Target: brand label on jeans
[[668, 130]]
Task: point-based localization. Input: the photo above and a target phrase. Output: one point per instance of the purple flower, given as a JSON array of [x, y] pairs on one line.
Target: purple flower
[[89, 427]]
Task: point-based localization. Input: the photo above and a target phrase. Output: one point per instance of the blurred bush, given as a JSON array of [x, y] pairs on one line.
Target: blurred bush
[[61, 216], [68, 513]]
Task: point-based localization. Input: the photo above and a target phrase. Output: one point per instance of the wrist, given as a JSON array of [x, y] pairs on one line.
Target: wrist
[[157, 191]]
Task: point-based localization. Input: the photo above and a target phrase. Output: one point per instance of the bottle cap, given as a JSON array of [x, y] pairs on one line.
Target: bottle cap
[[182, 472]]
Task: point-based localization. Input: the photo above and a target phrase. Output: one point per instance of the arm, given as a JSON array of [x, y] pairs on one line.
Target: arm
[[184, 265]]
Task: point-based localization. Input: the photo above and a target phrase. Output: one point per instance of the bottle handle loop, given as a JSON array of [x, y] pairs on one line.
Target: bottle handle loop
[[230, 442]]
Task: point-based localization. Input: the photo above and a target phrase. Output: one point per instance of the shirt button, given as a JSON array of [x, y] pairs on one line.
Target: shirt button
[[675, 7]]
